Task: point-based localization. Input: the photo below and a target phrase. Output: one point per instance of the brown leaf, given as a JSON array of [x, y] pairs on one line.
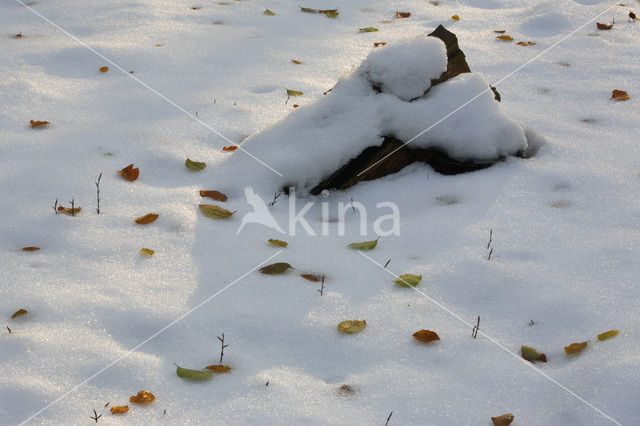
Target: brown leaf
[[499, 31], [426, 336], [311, 277], [526, 43], [70, 211], [219, 368], [17, 36], [503, 420], [35, 123], [216, 195], [103, 69], [633, 16], [403, 14], [30, 248], [295, 61], [296, 105], [143, 397], [129, 173], [19, 312], [119, 409], [603, 26], [620, 95], [575, 348], [230, 148], [379, 43], [329, 11], [148, 218], [505, 37]]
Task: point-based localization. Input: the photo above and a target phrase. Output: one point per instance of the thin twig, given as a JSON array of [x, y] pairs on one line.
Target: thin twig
[[98, 192], [490, 238], [388, 418], [387, 264], [222, 347], [474, 333], [321, 291]]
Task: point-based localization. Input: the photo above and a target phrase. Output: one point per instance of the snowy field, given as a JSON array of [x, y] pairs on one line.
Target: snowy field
[[104, 321]]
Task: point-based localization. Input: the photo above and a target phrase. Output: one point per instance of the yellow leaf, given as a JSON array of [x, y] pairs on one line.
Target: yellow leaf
[[455, 17], [214, 211], [575, 348], [147, 251], [295, 61], [196, 166], [119, 409], [607, 335], [368, 30], [19, 312], [352, 326], [71, 211], [278, 243], [505, 37], [148, 218], [269, 12], [143, 397], [103, 69], [294, 92], [620, 95]]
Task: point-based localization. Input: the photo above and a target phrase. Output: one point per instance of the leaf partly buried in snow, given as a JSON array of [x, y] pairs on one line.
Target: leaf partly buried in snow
[[35, 123], [218, 369], [230, 148], [503, 420], [366, 245], [368, 30], [504, 37], [352, 326], [19, 312], [532, 355], [408, 280], [216, 195], [30, 248], [214, 211], [269, 12], [129, 173], [294, 92], [575, 348], [526, 43], [148, 218], [311, 277], [71, 211], [379, 43], [620, 95], [186, 373], [603, 26], [403, 14], [331, 14], [426, 336], [119, 409], [143, 397], [309, 10], [607, 335], [194, 165], [276, 268], [103, 69], [147, 251]]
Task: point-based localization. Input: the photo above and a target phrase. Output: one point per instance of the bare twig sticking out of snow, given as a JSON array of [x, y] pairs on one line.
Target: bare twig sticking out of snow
[[98, 192], [222, 347], [476, 328]]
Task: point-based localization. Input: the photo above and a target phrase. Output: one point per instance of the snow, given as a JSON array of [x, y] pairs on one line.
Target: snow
[[565, 222]]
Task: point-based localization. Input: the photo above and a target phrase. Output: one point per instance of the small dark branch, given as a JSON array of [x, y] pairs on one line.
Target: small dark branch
[[287, 100], [352, 206], [107, 404], [55, 207], [387, 264], [222, 346], [321, 290], [490, 253], [98, 192], [388, 418], [490, 238], [267, 384], [9, 330], [474, 333], [73, 209], [164, 412], [531, 323], [276, 195], [95, 416], [327, 91]]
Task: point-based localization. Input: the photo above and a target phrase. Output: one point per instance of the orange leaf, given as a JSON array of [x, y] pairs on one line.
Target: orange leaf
[[129, 173], [620, 95], [30, 248], [219, 368], [603, 26], [575, 348], [103, 69], [143, 397], [296, 105], [35, 123], [503, 420], [455, 17], [67, 210], [311, 277], [230, 148], [379, 43], [148, 218], [426, 336], [403, 14], [218, 196], [119, 409]]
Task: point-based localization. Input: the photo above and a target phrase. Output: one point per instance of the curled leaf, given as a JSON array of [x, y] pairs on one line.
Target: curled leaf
[[276, 268], [147, 251], [294, 92], [352, 326], [607, 335], [218, 369], [408, 280], [186, 373], [35, 123], [532, 355], [368, 30], [119, 409], [194, 165], [148, 218], [455, 17], [403, 14], [366, 245], [603, 26], [620, 95], [30, 248], [575, 348], [503, 420], [278, 243], [215, 212], [426, 336], [505, 37], [71, 211], [379, 43], [269, 12], [230, 148], [311, 277], [103, 69], [216, 195], [143, 397], [129, 173], [18, 313]]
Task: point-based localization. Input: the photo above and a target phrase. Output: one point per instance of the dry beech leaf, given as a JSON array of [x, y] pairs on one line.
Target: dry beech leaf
[[296, 105], [147, 251], [216, 195], [143, 397], [505, 37], [426, 336], [368, 30], [455, 17], [526, 43], [196, 166], [230, 148], [36, 123], [148, 218], [278, 243], [603, 26], [503, 420], [276, 268], [31, 248], [499, 31], [403, 14], [575, 348], [119, 409], [311, 277], [186, 373], [607, 335], [19, 312], [532, 355], [379, 43], [295, 61], [269, 12], [103, 69], [352, 326], [218, 369], [620, 95], [215, 212], [129, 173], [70, 211]]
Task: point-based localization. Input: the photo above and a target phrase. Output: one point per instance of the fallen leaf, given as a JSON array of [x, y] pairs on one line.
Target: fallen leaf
[[278, 243], [103, 69], [603, 26], [366, 245], [368, 30], [218, 196], [331, 14], [230, 148], [35, 123], [309, 10], [30, 248], [129, 173], [296, 105], [269, 12], [499, 31], [575, 348], [215, 212], [186, 373], [632, 16], [158, 45], [403, 14], [148, 218], [532, 355], [607, 335], [352, 326], [276, 268], [194, 165], [620, 95], [295, 61], [119, 409], [503, 420], [455, 17], [17, 36], [345, 390], [294, 92], [147, 251], [19, 312], [408, 280], [379, 43], [70, 211], [327, 11], [143, 397], [311, 277], [526, 43], [426, 336], [218, 369], [196, 8], [505, 37]]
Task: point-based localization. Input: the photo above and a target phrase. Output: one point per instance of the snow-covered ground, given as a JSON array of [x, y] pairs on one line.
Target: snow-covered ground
[[565, 223]]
